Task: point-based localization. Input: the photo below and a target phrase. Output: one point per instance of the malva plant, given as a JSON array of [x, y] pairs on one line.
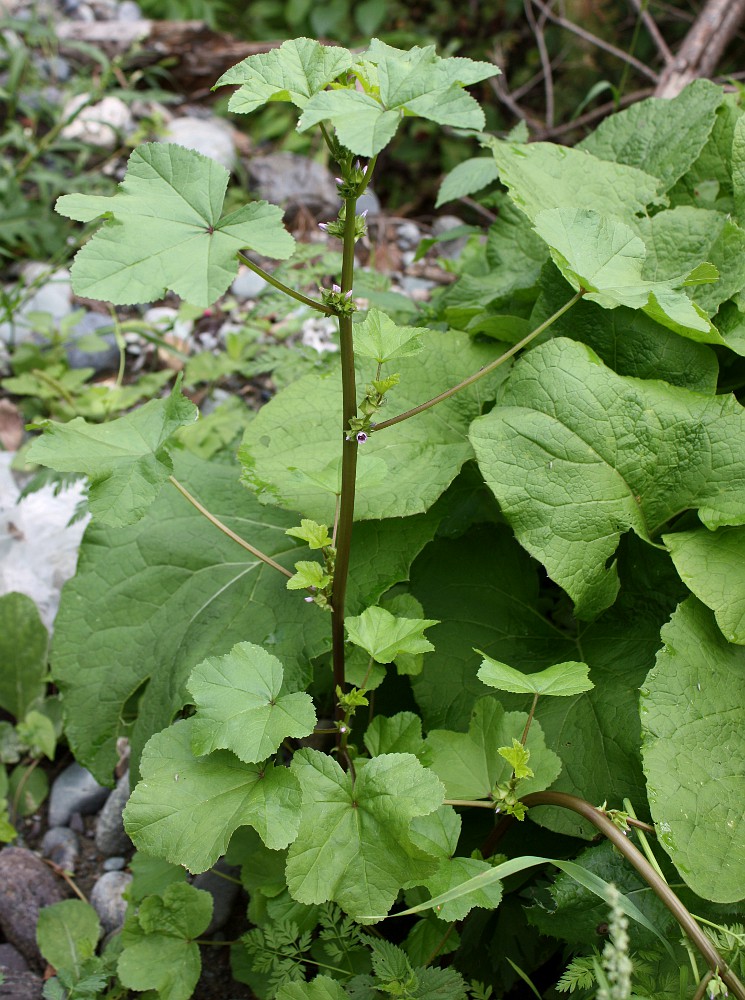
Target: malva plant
[[362, 586]]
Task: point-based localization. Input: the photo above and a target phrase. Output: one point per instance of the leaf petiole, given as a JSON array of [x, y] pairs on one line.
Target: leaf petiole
[[483, 371], [226, 530], [282, 287]]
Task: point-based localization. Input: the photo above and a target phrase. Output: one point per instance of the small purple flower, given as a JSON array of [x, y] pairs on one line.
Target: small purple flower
[[339, 180], [324, 226], [308, 600], [336, 288], [361, 437], [363, 215], [347, 295]]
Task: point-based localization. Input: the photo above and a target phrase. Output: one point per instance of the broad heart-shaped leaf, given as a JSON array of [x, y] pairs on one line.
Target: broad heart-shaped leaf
[[603, 256], [576, 455], [660, 136], [626, 340], [454, 872], [484, 588], [164, 231], [541, 176], [415, 82], [23, 654], [126, 460], [172, 591], [353, 845], [738, 170], [712, 566], [159, 950], [560, 680], [401, 733], [379, 338], [694, 752], [385, 636], [241, 707], [295, 71], [291, 451], [469, 764], [186, 808]]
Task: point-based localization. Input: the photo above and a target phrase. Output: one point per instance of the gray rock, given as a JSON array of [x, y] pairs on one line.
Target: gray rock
[[79, 357], [129, 11], [75, 790], [106, 899], [110, 836], [26, 886], [115, 864], [408, 235], [368, 202], [248, 284], [448, 248], [208, 136], [295, 182], [12, 960], [49, 292], [223, 891], [102, 124], [21, 986], [61, 845]]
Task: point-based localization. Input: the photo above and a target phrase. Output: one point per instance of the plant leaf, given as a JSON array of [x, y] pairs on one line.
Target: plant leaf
[[290, 451], [416, 81], [67, 934], [575, 450], [315, 535], [541, 176], [469, 764], [385, 636], [453, 873], [561, 679], [23, 654], [694, 752], [604, 256], [711, 564], [186, 808], [127, 460], [401, 733], [353, 845], [164, 231], [467, 178], [295, 71], [379, 338], [661, 136], [160, 952], [320, 988], [240, 706]]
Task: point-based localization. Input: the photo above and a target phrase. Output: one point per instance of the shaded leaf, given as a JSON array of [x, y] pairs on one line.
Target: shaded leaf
[[23, 654], [467, 178], [694, 752], [574, 448], [712, 566], [379, 338], [401, 733], [385, 636], [67, 934]]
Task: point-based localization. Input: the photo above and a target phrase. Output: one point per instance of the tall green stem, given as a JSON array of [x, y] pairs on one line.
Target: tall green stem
[[282, 287], [658, 885], [349, 456]]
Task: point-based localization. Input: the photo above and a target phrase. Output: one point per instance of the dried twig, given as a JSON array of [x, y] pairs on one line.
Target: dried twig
[[703, 46], [540, 40], [592, 116], [562, 22], [654, 32]]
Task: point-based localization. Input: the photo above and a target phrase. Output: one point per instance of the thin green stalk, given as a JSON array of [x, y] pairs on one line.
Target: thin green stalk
[[480, 803], [349, 457], [483, 371], [642, 838], [658, 885], [282, 287], [524, 736], [226, 530]]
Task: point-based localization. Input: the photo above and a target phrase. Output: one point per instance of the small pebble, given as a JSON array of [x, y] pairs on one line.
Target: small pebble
[[111, 838], [106, 899], [223, 891], [115, 864], [61, 845], [26, 886], [75, 790], [128, 11]]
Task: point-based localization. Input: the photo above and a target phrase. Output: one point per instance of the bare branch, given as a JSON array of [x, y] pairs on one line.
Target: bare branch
[[654, 32], [562, 22], [703, 46], [548, 77]]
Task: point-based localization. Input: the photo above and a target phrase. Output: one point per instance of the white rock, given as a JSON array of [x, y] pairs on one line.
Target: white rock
[[211, 137], [38, 548], [48, 292], [248, 284], [101, 124], [166, 321], [321, 335]]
